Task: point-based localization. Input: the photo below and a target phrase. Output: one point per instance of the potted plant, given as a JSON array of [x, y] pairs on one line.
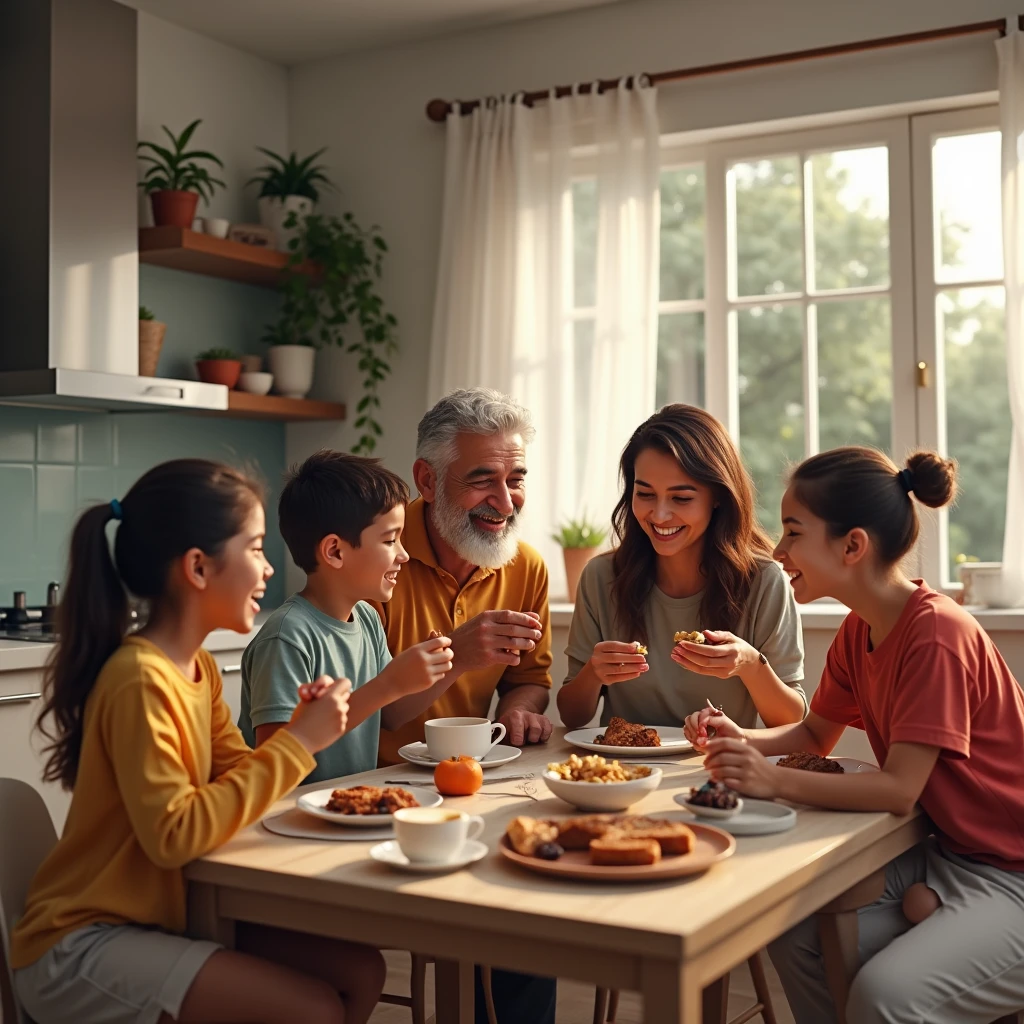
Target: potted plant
[[288, 186], [579, 541], [176, 178], [290, 358], [340, 305], [218, 366], [151, 340]]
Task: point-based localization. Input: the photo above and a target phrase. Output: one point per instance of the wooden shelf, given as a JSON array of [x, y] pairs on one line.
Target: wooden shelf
[[192, 251], [242, 405]]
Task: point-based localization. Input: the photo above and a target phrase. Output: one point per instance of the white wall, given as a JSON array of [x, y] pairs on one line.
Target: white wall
[[242, 100], [388, 159]]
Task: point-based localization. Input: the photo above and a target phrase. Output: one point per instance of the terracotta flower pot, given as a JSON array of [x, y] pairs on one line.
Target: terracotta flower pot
[[173, 208], [575, 562], [151, 340], [219, 371]]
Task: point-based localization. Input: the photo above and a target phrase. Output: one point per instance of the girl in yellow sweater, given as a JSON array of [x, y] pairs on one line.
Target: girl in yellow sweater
[[161, 775]]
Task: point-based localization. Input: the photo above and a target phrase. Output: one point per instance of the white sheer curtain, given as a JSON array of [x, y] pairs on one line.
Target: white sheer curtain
[[1011, 118], [502, 314]]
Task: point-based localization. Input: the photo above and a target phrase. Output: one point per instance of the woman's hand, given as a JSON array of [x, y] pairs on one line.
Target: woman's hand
[[615, 662], [702, 725], [736, 763], [723, 656]]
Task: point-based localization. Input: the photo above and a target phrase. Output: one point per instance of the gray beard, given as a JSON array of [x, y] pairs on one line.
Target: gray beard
[[456, 528]]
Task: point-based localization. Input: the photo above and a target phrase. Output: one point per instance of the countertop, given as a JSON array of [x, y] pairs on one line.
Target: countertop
[[22, 655]]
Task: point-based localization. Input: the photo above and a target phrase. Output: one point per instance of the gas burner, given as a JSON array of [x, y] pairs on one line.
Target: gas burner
[[34, 624]]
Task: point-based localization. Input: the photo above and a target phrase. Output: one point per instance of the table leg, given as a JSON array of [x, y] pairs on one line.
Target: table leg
[[715, 1001], [453, 992], [204, 920], [671, 995]]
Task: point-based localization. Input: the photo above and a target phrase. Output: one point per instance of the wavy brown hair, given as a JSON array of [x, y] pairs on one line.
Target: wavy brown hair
[[736, 548], [176, 506]]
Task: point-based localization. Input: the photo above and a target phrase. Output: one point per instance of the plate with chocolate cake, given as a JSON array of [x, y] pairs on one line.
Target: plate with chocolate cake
[[620, 738], [806, 762]]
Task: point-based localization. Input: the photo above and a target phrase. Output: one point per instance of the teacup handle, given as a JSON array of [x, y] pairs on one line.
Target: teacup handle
[[475, 827], [495, 740]]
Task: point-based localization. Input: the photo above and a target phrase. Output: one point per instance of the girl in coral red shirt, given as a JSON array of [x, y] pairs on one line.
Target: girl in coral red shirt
[[945, 718]]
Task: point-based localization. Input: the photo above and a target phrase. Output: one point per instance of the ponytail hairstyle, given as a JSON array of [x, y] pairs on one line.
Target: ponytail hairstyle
[[862, 487], [176, 506], [736, 548]]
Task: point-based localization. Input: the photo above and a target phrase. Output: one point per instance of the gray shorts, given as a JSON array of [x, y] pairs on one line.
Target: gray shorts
[[111, 974]]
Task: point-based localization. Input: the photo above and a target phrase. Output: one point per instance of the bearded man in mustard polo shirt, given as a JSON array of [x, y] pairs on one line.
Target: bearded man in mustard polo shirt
[[472, 579], [469, 576]]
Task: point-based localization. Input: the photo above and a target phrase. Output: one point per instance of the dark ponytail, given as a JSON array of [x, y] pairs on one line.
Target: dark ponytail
[[176, 506], [862, 487]]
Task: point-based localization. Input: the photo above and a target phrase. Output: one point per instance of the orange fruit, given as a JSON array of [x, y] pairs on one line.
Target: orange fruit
[[458, 776]]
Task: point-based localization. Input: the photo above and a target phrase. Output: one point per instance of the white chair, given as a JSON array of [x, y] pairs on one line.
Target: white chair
[[26, 836]]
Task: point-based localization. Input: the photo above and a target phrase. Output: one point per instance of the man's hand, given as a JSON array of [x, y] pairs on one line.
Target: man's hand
[[494, 638], [524, 727]]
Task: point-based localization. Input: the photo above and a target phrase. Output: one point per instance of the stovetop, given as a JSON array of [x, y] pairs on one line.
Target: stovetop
[[32, 632]]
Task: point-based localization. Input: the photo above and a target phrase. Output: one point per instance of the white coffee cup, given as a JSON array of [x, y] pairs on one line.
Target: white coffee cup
[[434, 835], [470, 737]]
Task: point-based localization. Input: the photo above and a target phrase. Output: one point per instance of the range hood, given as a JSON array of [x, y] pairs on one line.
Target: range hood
[[69, 277]]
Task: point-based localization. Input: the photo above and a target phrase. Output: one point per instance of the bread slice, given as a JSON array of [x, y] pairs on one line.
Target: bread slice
[[526, 834], [577, 833], [673, 837], [621, 851]]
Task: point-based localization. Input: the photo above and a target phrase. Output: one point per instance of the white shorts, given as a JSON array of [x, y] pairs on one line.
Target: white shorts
[[111, 974]]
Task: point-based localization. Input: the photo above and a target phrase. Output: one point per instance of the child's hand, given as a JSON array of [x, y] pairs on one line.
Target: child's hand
[[615, 662], [316, 689], [701, 725], [422, 665], [741, 767], [318, 721]]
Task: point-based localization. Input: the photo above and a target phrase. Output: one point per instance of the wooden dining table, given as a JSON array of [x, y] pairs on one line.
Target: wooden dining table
[[666, 940]]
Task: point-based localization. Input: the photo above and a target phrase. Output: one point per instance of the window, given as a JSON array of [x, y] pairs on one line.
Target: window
[[804, 276]]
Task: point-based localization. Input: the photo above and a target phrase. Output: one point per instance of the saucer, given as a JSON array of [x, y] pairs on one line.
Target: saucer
[[416, 753], [391, 854]]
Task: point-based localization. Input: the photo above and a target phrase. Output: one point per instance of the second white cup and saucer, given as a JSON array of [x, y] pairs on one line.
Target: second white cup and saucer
[[478, 738], [432, 840]]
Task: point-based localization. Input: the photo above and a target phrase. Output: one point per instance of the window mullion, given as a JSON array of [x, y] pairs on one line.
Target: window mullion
[[810, 318], [719, 324]]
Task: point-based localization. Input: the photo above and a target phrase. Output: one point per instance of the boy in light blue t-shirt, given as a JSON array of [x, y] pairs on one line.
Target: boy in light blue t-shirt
[[342, 518]]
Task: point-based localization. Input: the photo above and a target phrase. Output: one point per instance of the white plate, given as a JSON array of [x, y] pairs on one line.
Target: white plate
[[851, 764], [315, 803], [757, 818], [391, 854], [297, 825], [718, 813], [416, 753], [673, 741]]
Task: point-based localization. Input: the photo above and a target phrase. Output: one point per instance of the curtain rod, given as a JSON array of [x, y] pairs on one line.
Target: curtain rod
[[438, 110]]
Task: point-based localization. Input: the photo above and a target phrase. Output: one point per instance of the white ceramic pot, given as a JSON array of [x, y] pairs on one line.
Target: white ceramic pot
[[986, 584], [292, 367], [274, 211], [216, 226], [256, 383]]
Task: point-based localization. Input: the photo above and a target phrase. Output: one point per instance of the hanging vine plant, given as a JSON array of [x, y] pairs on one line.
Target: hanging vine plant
[[322, 308]]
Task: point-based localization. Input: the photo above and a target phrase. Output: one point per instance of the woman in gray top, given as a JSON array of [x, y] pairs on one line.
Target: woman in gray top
[[690, 557]]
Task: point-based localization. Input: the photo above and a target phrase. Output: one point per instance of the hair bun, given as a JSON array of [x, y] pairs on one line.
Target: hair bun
[[934, 478]]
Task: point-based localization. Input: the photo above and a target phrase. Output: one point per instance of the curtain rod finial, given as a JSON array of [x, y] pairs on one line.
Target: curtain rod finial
[[437, 110]]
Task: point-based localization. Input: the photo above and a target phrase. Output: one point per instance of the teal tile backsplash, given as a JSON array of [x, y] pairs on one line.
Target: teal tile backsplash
[[53, 464]]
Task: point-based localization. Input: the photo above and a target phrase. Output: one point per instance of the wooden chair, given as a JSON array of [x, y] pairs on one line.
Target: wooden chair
[[416, 1000], [26, 836], [837, 925], [716, 1000]]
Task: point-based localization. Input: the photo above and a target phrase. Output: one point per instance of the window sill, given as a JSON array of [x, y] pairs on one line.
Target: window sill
[[828, 615]]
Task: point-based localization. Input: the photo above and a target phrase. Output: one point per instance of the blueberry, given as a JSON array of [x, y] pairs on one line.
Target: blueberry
[[549, 851]]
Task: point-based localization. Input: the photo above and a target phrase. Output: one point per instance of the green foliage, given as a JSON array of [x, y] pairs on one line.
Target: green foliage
[[217, 353], [286, 332], [176, 167], [323, 309], [290, 176], [579, 533], [145, 314]]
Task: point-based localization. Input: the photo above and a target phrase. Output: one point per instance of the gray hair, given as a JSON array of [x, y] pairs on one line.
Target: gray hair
[[468, 411]]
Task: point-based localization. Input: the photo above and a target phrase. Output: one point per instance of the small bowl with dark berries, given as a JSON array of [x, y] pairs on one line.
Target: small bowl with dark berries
[[712, 800]]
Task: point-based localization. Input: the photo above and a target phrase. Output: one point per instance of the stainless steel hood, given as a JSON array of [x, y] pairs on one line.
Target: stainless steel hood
[[69, 273]]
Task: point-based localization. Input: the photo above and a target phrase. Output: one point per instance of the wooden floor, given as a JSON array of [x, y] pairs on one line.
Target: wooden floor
[[576, 1002]]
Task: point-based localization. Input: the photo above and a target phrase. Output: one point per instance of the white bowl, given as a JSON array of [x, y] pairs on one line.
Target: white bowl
[[710, 812], [256, 383], [603, 796]]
